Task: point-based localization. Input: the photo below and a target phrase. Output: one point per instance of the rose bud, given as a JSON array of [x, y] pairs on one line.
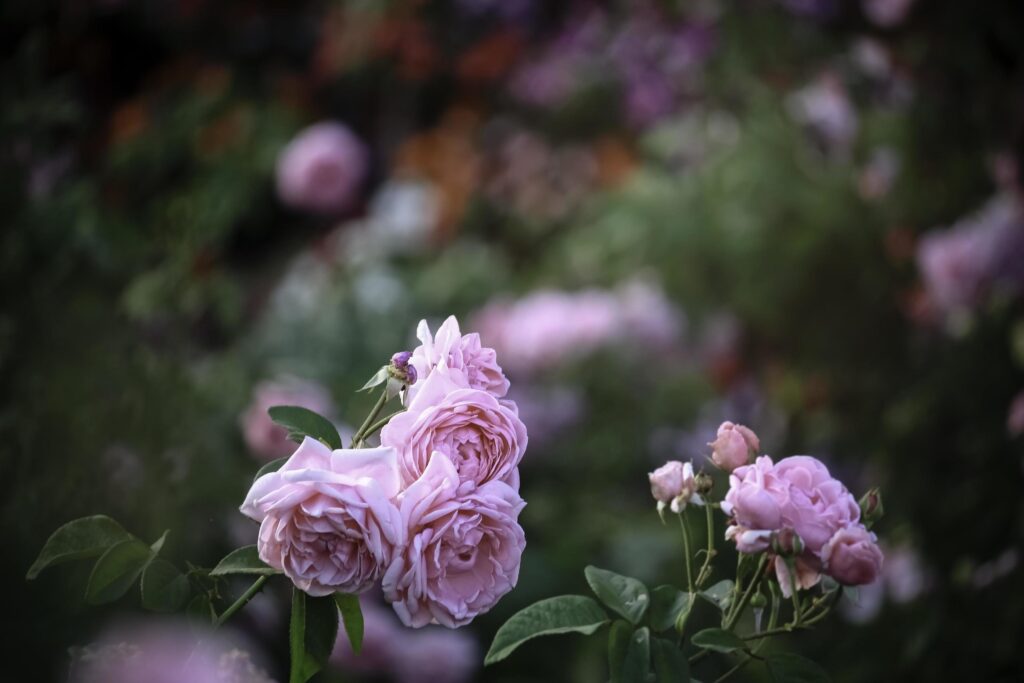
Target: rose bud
[[852, 557], [733, 446], [674, 484], [871, 508], [400, 368]]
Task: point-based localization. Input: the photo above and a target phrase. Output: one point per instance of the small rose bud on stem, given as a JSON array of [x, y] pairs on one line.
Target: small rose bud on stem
[[733, 446], [871, 508]]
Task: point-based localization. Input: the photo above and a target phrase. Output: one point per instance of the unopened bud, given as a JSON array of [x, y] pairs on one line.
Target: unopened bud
[[787, 543], [871, 508], [401, 369], [401, 359], [704, 483], [759, 601]]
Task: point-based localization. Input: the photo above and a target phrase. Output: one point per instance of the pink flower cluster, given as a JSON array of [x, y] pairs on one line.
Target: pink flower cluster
[[770, 502], [431, 514]]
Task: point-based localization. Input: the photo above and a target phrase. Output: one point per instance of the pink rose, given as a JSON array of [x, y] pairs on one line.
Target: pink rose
[[733, 446], [327, 519], [437, 655], [462, 553], [266, 439], [471, 364], [852, 556], [674, 483], [321, 169], [808, 573], [483, 436]]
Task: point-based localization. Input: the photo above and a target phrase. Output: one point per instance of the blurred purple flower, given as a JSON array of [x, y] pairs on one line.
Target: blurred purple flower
[[886, 13], [382, 635], [548, 410], [267, 440], [825, 108], [321, 169], [1015, 416], [817, 9]]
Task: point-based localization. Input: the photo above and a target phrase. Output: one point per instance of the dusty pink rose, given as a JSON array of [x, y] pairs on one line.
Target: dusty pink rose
[[321, 169], [481, 434], [852, 556], [733, 446], [327, 519], [266, 439], [470, 364], [673, 483], [462, 552]]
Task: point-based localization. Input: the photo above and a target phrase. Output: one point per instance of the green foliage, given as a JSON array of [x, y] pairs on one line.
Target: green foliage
[[619, 635], [788, 667], [117, 570], [313, 628], [563, 614], [668, 605], [272, 466], [164, 588], [668, 661], [718, 639], [352, 618], [302, 422], [637, 662], [79, 539], [719, 594], [244, 560], [625, 595]]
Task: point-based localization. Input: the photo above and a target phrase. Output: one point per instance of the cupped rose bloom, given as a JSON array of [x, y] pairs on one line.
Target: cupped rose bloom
[[321, 169], [470, 364], [852, 556], [482, 435], [328, 519], [462, 552], [263, 436], [733, 446], [673, 483]]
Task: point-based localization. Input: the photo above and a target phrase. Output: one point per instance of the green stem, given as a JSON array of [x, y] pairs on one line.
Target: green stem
[[242, 601], [705, 571], [379, 424], [686, 550], [361, 433], [772, 620], [741, 605]]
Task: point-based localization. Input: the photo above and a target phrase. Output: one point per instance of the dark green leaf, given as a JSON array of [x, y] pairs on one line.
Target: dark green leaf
[[718, 639], [719, 595], [786, 667], [302, 422], [668, 661], [116, 571], [624, 594], [637, 663], [668, 604], [78, 539], [564, 614], [313, 630], [244, 560], [618, 644], [164, 588], [200, 609], [352, 618], [272, 466]]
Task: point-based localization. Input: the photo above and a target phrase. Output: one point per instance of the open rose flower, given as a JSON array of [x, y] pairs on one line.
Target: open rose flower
[[471, 364], [673, 484], [462, 552], [482, 435], [852, 556], [327, 519]]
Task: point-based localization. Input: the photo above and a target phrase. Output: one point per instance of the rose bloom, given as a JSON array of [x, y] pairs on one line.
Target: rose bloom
[[462, 552], [852, 556], [266, 439], [471, 364], [674, 483], [327, 519], [483, 436], [733, 446], [321, 169]]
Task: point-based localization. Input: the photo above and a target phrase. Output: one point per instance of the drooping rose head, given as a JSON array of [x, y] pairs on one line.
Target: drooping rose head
[[852, 556], [733, 446], [462, 552], [482, 435], [266, 439], [470, 364], [321, 169], [327, 519]]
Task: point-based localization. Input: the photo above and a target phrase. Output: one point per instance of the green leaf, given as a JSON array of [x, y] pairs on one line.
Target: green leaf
[[786, 667], [669, 663], [668, 604], [272, 466], [116, 571], [624, 594], [719, 595], [164, 588], [378, 378], [78, 539], [563, 614], [637, 663], [718, 639], [618, 644], [200, 609], [313, 630], [352, 618], [244, 560], [302, 422]]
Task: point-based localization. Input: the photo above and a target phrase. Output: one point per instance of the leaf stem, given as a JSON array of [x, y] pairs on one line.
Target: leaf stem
[[741, 605], [686, 550], [242, 601], [705, 571], [362, 433], [379, 424]]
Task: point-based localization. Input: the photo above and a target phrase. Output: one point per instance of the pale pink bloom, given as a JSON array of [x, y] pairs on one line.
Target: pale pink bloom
[[852, 556], [436, 655], [733, 446], [470, 364], [266, 439], [481, 434], [1015, 416], [886, 13], [673, 483], [383, 642], [649, 317], [321, 169], [327, 519], [463, 552]]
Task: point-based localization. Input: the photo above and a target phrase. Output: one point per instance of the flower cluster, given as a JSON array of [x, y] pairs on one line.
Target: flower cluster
[[431, 514]]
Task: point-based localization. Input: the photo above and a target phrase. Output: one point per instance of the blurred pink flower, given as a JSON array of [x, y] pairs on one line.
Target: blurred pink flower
[[327, 519], [1015, 416], [825, 108], [886, 13], [383, 639], [321, 169], [266, 439]]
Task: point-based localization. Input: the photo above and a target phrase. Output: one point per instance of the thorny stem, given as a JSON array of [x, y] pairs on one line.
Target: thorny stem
[[242, 601]]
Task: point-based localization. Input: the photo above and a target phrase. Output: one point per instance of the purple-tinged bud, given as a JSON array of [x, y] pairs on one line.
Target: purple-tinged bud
[[871, 508], [401, 359], [410, 375], [400, 368]]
